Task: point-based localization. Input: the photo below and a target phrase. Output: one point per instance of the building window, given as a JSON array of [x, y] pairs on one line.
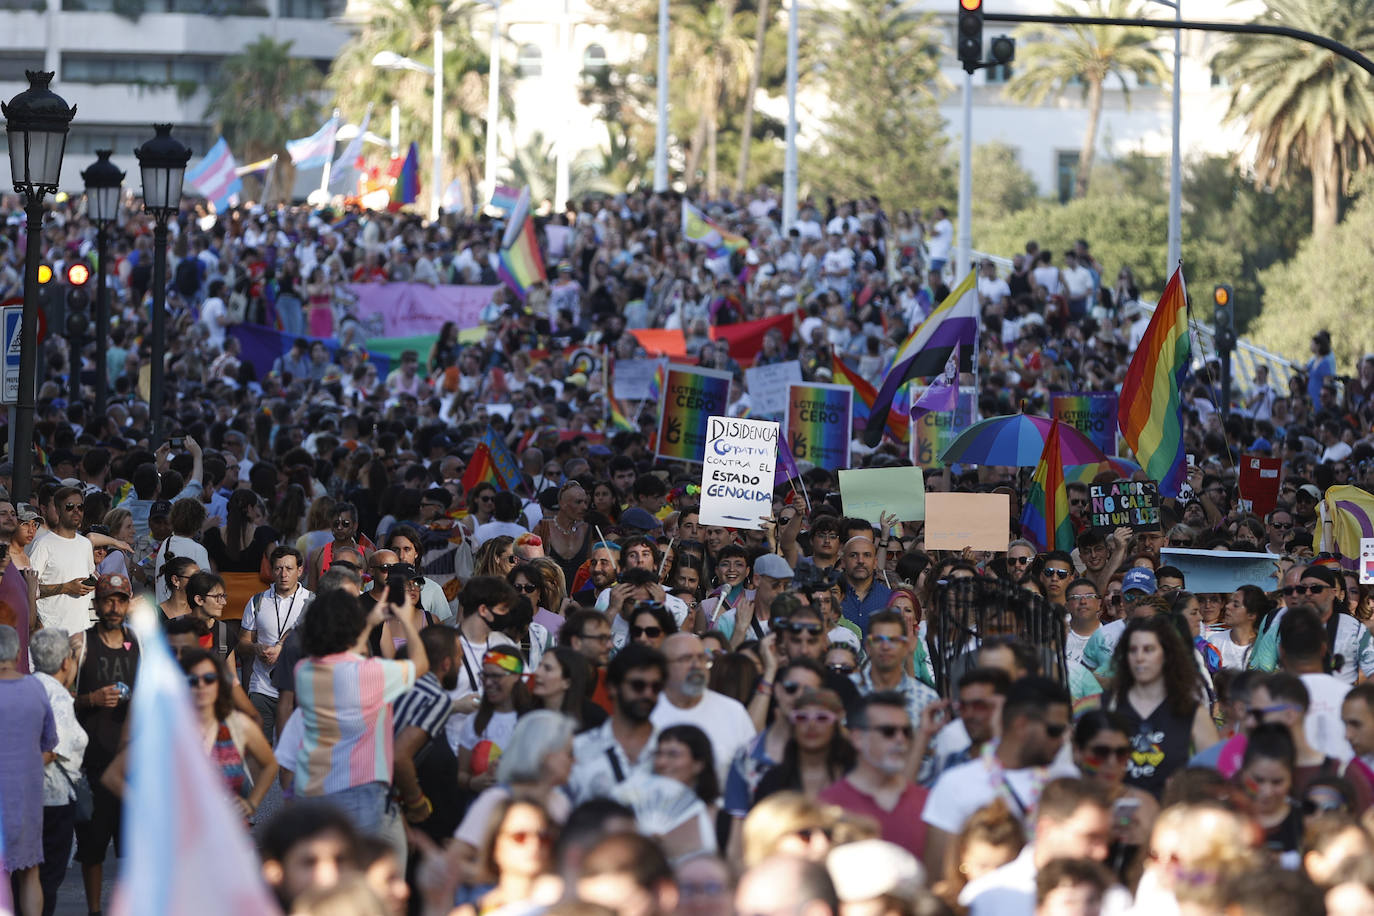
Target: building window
[[84, 139], [138, 68], [530, 61], [304, 9], [594, 59], [1066, 173], [14, 63]]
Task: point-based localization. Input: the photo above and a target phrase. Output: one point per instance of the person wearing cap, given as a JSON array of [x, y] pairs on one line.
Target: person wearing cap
[[754, 618], [637, 521], [876, 876], [66, 568], [104, 682], [1136, 586], [1350, 647]]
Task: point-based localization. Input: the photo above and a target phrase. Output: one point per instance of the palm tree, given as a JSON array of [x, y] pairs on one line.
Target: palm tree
[[407, 28], [747, 130], [533, 165], [1051, 59], [263, 97], [1306, 106]]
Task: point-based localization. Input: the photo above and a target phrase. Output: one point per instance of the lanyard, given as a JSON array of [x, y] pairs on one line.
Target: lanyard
[[290, 605], [465, 645]]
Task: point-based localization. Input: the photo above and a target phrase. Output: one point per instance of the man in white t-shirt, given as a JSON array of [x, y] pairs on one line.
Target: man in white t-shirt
[[66, 567], [685, 700], [268, 618], [992, 289], [1078, 283], [941, 240], [1035, 721], [214, 315]]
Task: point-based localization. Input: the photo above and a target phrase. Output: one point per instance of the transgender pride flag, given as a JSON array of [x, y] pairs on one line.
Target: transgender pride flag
[[187, 850], [216, 176], [314, 151]]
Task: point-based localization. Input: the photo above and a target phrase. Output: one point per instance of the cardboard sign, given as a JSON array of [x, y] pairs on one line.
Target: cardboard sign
[[1092, 413], [767, 386], [737, 473], [818, 424], [1259, 483], [958, 520], [932, 433], [633, 378], [1133, 503], [1367, 561], [1210, 572], [690, 397], [867, 493]]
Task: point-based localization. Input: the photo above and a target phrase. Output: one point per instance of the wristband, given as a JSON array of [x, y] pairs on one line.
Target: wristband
[[765, 688]]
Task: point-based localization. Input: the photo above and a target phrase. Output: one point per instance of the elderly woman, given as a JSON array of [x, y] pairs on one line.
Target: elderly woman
[[26, 721], [55, 668]]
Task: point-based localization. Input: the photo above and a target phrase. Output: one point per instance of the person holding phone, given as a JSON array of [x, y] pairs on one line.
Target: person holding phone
[[66, 568]]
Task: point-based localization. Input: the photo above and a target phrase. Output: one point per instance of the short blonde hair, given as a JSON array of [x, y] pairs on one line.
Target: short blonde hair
[[778, 816]]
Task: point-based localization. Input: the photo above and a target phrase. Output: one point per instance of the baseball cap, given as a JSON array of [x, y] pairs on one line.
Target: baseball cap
[[113, 584], [160, 509], [26, 512], [874, 868], [1311, 490], [639, 519], [1139, 579], [773, 566]]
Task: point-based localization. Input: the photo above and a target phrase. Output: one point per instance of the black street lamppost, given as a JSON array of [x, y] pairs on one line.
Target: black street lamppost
[[37, 120], [104, 186], [162, 160]]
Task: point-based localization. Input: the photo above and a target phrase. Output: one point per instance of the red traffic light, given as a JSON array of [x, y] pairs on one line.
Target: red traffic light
[[78, 274], [972, 6]]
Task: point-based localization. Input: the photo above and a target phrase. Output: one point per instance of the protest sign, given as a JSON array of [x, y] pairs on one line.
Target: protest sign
[[932, 433], [1208, 572], [690, 397], [633, 378], [820, 421], [1092, 413], [767, 386], [407, 309], [1367, 561], [1132, 503], [954, 521], [1259, 483], [737, 473], [867, 493]]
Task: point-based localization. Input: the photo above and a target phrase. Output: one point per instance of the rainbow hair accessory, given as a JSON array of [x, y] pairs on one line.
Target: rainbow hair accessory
[[505, 661]]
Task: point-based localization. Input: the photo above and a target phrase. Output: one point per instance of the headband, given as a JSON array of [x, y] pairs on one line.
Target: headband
[[505, 661]]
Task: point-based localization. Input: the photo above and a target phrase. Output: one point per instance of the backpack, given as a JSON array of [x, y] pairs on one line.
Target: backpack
[[186, 279]]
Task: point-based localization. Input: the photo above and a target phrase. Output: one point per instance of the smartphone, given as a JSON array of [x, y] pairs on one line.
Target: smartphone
[[396, 589], [1123, 812], [177, 442], [90, 580]]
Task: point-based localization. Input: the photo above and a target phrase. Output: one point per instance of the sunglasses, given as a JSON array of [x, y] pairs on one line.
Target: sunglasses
[[812, 717], [197, 680], [527, 588], [640, 685], [72, 507], [651, 632], [1078, 502], [1281, 527], [1085, 596], [1020, 561], [1055, 729], [1055, 573], [891, 731], [1304, 589], [526, 837], [1106, 752], [845, 670], [811, 629], [791, 687], [343, 523]]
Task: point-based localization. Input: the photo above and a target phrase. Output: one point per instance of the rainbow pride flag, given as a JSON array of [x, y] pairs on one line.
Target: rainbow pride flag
[[408, 182], [698, 227], [1045, 520], [1151, 416], [864, 397], [521, 264], [481, 469], [619, 419]]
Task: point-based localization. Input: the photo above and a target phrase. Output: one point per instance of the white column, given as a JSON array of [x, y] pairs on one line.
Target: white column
[[493, 102], [789, 168], [661, 128], [436, 144], [965, 246], [566, 73], [1176, 158]]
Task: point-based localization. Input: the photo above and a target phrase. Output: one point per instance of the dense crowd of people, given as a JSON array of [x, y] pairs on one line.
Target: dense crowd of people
[[566, 694]]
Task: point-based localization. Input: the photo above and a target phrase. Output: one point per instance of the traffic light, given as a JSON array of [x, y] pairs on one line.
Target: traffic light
[[970, 36], [1224, 317], [78, 273]]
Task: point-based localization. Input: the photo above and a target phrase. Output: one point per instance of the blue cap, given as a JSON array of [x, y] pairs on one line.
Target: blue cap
[[639, 519], [1139, 579], [1261, 445]]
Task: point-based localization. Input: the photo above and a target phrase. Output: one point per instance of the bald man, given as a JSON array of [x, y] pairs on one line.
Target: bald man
[[784, 884], [864, 593], [685, 700]]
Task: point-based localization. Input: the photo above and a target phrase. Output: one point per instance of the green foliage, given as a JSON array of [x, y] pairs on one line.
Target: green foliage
[[1325, 286], [263, 96], [1001, 185], [534, 164], [1306, 106], [884, 135]]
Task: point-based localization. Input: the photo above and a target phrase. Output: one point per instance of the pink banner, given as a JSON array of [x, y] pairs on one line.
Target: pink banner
[[411, 309]]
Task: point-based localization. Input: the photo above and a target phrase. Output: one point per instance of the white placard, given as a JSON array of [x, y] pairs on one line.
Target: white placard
[[768, 386], [737, 473], [632, 378]]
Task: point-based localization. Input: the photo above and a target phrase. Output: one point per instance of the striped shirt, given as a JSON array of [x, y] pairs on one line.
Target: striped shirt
[[346, 717], [426, 706]]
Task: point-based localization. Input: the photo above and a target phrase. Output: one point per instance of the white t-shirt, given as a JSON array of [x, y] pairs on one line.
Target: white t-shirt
[[211, 311], [962, 790], [941, 240], [272, 616], [724, 720], [1233, 657], [179, 547], [488, 530], [1323, 725], [498, 731], [1079, 280], [993, 289], [1073, 645], [58, 559]]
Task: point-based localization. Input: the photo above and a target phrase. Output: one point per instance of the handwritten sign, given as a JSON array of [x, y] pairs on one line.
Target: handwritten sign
[[767, 386], [1133, 503], [958, 520], [867, 493], [737, 473]]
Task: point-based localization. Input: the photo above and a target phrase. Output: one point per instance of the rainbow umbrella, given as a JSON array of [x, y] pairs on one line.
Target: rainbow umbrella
[[1123, 468], [1017, 441]]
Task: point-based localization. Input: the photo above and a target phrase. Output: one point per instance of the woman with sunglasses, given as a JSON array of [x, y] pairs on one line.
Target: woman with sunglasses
[[1159, 693], [481, 503], [504, 699], [1101, 751], [1247, 607], [496, 557], [516, 860], [531, 581], [176, 572], [651, 624], [817, 754]]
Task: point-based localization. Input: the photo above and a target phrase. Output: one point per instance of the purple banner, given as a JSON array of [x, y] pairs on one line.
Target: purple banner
[[410, 309]]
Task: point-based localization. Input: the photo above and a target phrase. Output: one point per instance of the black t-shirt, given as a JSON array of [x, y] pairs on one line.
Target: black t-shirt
[[105, 666]]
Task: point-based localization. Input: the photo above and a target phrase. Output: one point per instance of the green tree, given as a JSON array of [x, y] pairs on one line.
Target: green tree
[[1001, 185], [1303, 105], [884, 135], [1325, 286], [1050, 59], [534, 164], [263, 97], [407, 28]]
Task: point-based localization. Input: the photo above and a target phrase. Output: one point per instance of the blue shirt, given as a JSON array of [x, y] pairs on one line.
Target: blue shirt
[[1319, 369], [858, 612]]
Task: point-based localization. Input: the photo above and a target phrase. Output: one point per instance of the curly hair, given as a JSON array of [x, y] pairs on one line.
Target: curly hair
[[1182, 689], [335, 622]]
